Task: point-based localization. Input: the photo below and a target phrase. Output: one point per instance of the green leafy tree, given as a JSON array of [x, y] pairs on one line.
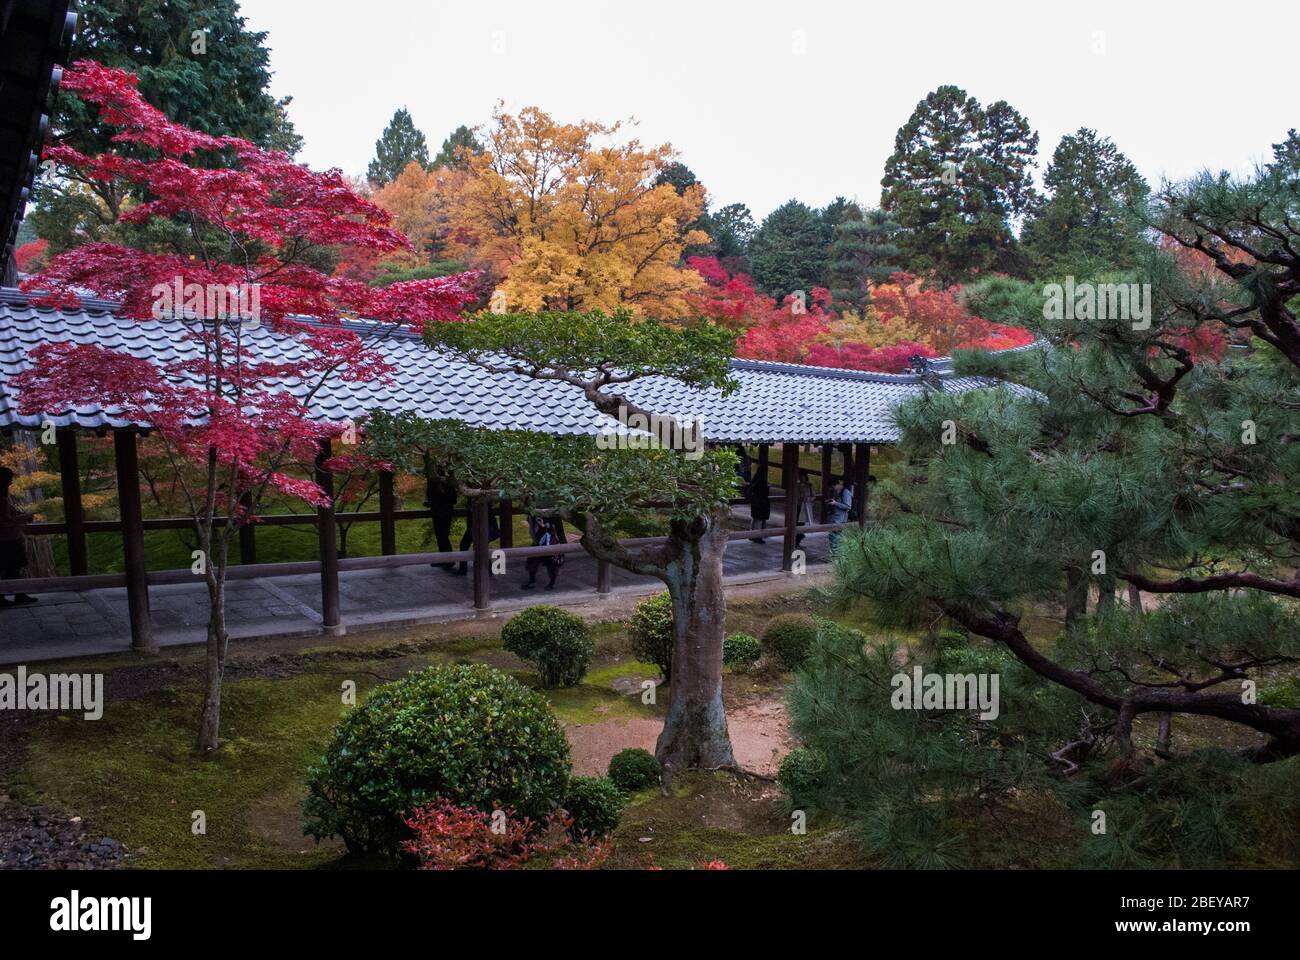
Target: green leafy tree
[[450, 154], [1090, 224], [862, 252], [598, 489], [196, 61], [788, 252], [959, 177], [399, 145]]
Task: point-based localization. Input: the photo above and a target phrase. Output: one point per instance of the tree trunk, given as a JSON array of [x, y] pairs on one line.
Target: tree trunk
[[1165, 734], [210, 718], [1076, 598], [1135, 597], [695, 731]]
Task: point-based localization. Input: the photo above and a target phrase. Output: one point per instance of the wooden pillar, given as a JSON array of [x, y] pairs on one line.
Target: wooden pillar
[[482, 554], [603, 571], [827, 450], [247, 532], [73, 513], [507, 524], [331, 619], [861, 468], [846, 451], [790, 480], [127, 459], [387, 512]]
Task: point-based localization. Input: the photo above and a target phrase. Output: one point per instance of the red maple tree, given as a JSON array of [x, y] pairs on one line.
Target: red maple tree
[[233, 411], [810, 331]]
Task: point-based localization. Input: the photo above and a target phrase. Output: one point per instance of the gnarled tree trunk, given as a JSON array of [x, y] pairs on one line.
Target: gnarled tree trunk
[[695, 731]]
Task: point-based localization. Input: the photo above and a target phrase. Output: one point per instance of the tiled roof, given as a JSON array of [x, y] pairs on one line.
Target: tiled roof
[[776, 402]]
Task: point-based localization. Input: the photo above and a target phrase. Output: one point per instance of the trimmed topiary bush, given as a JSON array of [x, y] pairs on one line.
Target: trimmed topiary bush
[[595, 804], [556, 641], [789, 637], [801, 775], [634, 769], [469, 735], [651, 630], [740, 651]]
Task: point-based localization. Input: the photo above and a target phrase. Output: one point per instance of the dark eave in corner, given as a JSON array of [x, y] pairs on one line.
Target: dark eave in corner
[[35, 38]]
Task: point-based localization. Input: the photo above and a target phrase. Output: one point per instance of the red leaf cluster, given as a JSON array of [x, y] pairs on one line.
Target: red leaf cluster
[[452, 837], [798, 331], [226, 404]]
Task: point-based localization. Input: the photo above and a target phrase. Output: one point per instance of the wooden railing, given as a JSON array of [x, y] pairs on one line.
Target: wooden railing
[[132, 526]]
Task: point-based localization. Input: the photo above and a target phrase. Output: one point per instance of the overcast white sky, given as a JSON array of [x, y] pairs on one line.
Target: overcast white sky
[[771, 100]]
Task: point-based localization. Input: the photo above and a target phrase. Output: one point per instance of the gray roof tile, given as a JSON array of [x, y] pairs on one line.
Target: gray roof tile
[[776, 402]]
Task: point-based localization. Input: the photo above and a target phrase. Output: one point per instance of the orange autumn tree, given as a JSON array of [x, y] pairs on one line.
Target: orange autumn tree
[[421, 202], [571, 219]]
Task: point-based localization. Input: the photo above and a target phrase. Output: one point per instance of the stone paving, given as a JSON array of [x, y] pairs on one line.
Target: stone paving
[[96, 621]]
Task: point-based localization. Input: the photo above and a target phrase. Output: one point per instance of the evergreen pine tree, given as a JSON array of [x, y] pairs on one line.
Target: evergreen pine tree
[[788, 252], [1090, 224], [862, 253], [450, 153], [958, 179], [397, 146], [1117, 542]]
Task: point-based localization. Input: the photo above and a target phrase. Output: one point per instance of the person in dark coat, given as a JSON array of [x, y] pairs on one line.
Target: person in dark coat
[[13, 547], [440, 497], [760, 507], [744, 469], [545, 533]]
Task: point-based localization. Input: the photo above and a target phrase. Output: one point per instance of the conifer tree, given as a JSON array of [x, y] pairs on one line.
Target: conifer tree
[[862, 253], [788, 252], [399, 144], [1090, 223], [959, 177], [1117, 538]]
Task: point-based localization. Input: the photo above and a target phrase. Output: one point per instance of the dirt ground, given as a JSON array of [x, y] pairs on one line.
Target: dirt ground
[[758, 728]]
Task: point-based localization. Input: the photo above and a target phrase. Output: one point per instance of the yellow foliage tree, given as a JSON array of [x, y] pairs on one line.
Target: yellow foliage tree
[[872, 328], [572, 224]]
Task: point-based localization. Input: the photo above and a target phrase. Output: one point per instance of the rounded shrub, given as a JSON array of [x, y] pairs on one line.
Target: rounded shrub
[[595, 804], [554, 640], [788, 637], [740, 651], [466, 734], [802, 773], [634, 769], [651, 630]]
